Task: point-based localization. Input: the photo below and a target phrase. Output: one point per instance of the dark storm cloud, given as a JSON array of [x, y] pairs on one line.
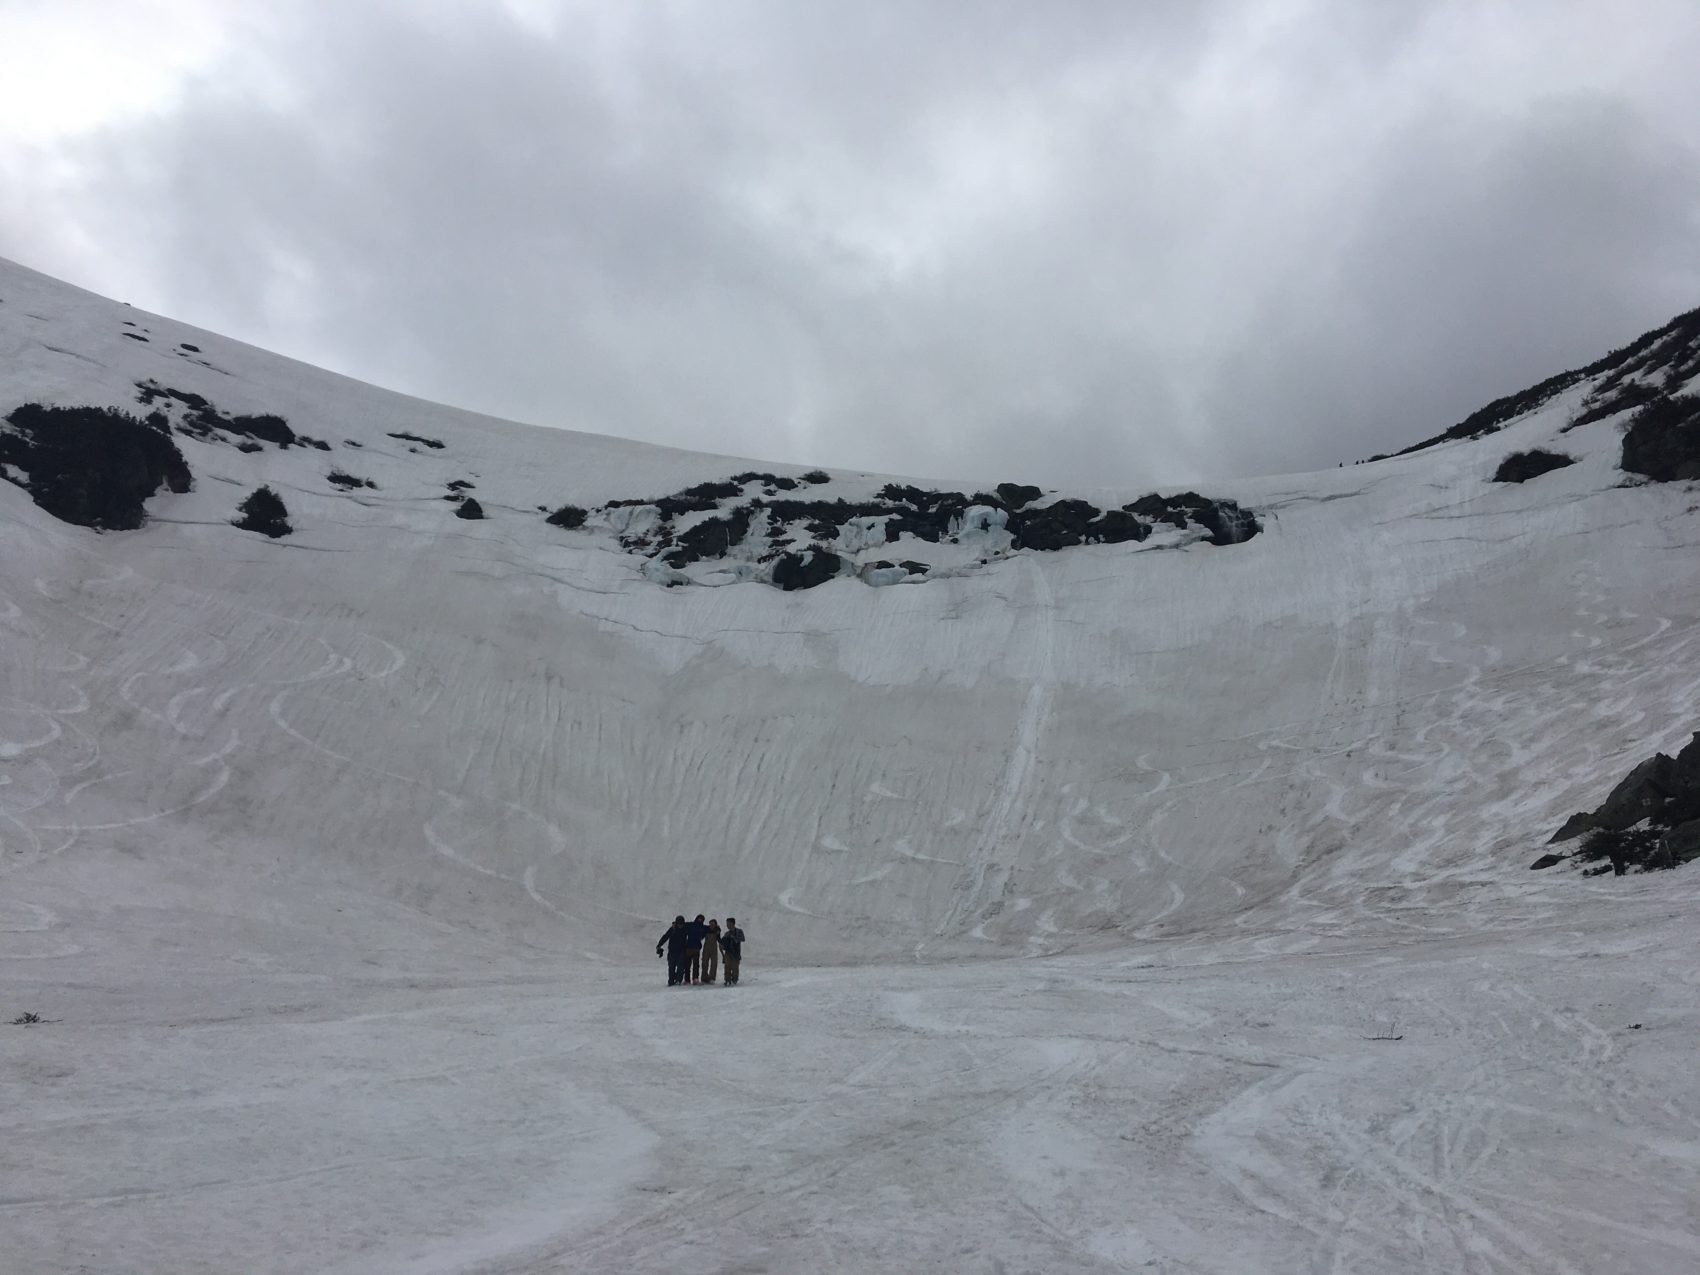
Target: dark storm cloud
[[1076, 243]]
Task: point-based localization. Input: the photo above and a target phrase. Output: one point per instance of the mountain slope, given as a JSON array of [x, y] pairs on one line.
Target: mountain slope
[[333, 860], [1409, 675]]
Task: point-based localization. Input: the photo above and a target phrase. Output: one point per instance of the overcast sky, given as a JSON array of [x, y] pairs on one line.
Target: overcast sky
[[1089, 243]]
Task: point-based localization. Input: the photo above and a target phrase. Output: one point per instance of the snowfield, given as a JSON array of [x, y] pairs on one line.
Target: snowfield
[[1155, 907]]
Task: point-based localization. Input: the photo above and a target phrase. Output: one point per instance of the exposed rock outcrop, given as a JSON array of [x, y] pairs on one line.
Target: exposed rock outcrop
[[755, 525], [711, 538], [1670, 353], [1519, 467], [1015, 495], [1663, 439], [200, 419], [1650, 819], [1638, 795], [435, 444], [1227, 523], [807, 569], [1059, 525], [768, 528]]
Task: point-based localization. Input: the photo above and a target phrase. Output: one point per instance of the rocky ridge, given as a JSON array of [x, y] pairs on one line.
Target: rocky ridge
[[96, 466], [1650, 819]]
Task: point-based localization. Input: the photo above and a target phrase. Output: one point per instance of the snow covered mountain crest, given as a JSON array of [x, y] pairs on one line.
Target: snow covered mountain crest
[[96, 466]]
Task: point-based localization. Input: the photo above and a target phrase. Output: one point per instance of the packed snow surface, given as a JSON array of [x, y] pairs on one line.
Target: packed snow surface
[[1130, 907]]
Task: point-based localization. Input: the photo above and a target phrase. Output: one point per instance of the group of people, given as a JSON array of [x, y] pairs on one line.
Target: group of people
[[694, 950]]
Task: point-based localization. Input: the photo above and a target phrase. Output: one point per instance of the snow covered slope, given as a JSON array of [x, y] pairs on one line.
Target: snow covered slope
[[400, 752], [1413, 673]]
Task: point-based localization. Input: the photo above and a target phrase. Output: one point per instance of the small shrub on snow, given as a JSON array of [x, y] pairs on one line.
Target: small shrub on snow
[[265, 513], [568, 517], [1632, 847]]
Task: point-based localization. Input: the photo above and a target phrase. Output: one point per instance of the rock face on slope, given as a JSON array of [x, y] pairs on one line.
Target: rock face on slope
[[799, 542], [204, 421], [1655, 362], [95, 466], [1650, 819], [1663, 439], [90, 466]]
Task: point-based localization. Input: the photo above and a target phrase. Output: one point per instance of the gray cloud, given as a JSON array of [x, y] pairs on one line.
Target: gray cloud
[[1482, 261], [1058, 242]]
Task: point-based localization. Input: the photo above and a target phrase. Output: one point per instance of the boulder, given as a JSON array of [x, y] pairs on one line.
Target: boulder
[[469, 509], [1015, 495], [1578, 823], [1546, 861], [1118, 526], [1227, 523], [1056, 526], [805, 570], [1638, 796]]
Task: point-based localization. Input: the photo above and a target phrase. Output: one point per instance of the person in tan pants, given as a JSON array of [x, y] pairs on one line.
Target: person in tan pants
[[711, 952], [732, 944]]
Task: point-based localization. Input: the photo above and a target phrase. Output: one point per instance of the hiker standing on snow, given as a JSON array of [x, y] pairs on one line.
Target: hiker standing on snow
[[694, 933], [674, 941], [711, 951], [732, 944]]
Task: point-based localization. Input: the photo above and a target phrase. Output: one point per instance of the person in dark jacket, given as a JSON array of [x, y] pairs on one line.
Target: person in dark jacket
[[675, 943], [693, 948], [711, 951], [731, 948]]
